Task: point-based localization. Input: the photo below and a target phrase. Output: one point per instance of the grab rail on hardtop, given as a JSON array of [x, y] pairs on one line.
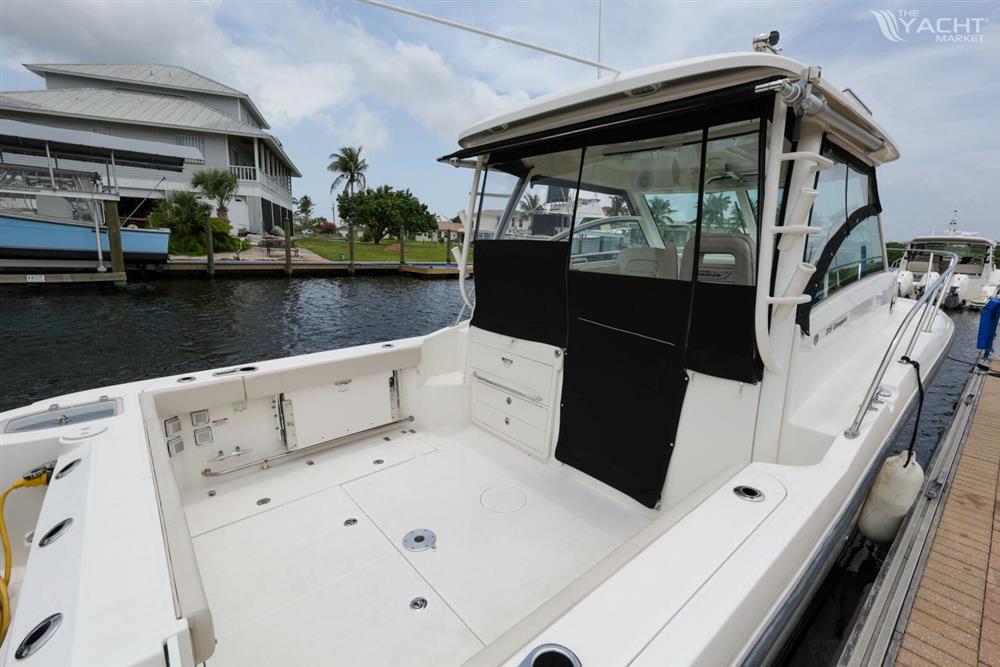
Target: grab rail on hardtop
[[927, 310]]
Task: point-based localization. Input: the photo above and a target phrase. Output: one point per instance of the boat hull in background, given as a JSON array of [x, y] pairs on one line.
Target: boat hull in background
[[24, 238]]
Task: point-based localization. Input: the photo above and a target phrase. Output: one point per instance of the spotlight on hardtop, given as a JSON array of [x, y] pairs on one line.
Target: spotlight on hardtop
[[767, 42]]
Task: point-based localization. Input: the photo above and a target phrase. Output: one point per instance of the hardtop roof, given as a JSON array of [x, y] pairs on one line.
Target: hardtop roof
[[656, 85]]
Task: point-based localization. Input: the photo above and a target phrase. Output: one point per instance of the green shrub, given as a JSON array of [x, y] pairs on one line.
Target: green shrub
[[184, 215]]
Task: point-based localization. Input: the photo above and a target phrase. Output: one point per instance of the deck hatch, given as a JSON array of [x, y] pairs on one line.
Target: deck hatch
[[62, 415]]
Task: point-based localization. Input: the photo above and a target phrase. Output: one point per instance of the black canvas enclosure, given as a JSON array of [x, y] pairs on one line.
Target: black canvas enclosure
[[624, 380], [521, 289]]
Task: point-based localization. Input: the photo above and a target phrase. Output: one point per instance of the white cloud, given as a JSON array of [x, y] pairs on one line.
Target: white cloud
[[358, 127], [296, 60]]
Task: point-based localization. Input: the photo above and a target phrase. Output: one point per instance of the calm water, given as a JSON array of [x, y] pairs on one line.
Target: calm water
[[63, 339]]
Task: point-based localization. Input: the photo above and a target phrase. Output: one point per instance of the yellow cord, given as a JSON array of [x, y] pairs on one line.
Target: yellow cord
[[40, 480], [4, 611]]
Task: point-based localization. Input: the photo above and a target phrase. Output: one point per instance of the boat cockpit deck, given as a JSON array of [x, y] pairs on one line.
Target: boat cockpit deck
[[285, 550]]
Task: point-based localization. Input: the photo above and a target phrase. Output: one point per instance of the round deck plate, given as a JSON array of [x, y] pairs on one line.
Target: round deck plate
[[419, 539], [503, 499]]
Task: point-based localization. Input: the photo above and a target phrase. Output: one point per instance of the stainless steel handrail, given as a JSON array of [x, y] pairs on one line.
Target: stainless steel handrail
[[923, 304], [268, 460], [510, 390]]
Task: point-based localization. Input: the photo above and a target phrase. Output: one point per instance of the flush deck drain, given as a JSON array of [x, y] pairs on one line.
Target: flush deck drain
[[419, 539]]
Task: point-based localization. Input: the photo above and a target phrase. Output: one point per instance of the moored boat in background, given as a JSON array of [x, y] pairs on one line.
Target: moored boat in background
[[55, 185], [976, 278]]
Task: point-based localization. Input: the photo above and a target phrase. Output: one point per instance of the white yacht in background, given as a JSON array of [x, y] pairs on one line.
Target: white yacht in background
[[976, 279], [646, 453]]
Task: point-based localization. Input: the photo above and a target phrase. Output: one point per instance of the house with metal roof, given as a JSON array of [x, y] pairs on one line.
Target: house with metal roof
[[168, 105]]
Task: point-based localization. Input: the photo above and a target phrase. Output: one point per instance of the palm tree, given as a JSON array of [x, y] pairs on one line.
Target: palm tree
[[183, 213], [350, 168], [661, 209], [220, 185], [306, 208], [528, 206], [714, 209], [619, 206]]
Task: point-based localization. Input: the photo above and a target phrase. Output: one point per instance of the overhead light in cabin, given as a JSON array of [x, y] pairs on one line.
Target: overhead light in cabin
[[497, 129]]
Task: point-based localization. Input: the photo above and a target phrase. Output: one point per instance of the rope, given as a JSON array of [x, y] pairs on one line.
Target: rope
[[920, 407], [963, 361]]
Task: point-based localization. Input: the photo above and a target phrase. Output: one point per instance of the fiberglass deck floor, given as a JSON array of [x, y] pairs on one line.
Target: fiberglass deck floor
[[289, 583]]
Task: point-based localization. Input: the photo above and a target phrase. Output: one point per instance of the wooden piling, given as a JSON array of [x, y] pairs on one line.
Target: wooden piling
[[288, 247], [209, 248], [350, 247], [447, 247], [113, 225], [402, 247]]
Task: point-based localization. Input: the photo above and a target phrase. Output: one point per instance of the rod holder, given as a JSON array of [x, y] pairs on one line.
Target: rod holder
[[803, 272], [799, 215]]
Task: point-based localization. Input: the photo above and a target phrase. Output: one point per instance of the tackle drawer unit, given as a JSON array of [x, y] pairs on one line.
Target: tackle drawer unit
[[514, 383]]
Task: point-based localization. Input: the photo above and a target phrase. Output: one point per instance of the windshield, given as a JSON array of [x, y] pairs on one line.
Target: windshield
[[968, 253], [640, 194], [963, 250]]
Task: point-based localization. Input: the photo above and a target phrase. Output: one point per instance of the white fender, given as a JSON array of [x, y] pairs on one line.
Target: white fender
[[895, 489]]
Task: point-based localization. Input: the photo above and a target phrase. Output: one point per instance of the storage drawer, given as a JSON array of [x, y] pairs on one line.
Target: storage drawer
[[508, 403], [546, 354], [530, 376], [512, 427]]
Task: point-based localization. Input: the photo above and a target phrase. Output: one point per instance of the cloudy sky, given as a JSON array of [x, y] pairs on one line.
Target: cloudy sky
[[330, 74]]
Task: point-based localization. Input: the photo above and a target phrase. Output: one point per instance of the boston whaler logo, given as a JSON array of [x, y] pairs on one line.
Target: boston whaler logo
[[896, 27]]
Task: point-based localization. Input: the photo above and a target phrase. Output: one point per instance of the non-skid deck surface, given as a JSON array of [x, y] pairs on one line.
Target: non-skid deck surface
[[289, 583], [955, 619]]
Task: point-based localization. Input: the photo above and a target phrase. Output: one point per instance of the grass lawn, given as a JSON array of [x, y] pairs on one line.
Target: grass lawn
[[386, 251]]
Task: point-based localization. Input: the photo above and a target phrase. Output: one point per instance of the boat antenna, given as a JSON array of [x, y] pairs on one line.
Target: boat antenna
[[493, 35], [600, 31]]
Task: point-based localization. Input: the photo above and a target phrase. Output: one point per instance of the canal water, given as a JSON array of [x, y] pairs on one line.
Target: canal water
[[68, 338]]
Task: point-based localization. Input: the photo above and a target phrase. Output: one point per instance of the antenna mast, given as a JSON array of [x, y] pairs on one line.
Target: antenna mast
[[600, 31], [493, 35]]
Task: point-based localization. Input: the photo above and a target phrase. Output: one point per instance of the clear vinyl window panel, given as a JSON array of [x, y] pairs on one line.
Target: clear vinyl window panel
[[543, 199], [844, 190], [637, 206], [728, 247], [858, 256]]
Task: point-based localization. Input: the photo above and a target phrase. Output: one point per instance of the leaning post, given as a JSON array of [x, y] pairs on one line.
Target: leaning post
[[288, 246], [114, 226]]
